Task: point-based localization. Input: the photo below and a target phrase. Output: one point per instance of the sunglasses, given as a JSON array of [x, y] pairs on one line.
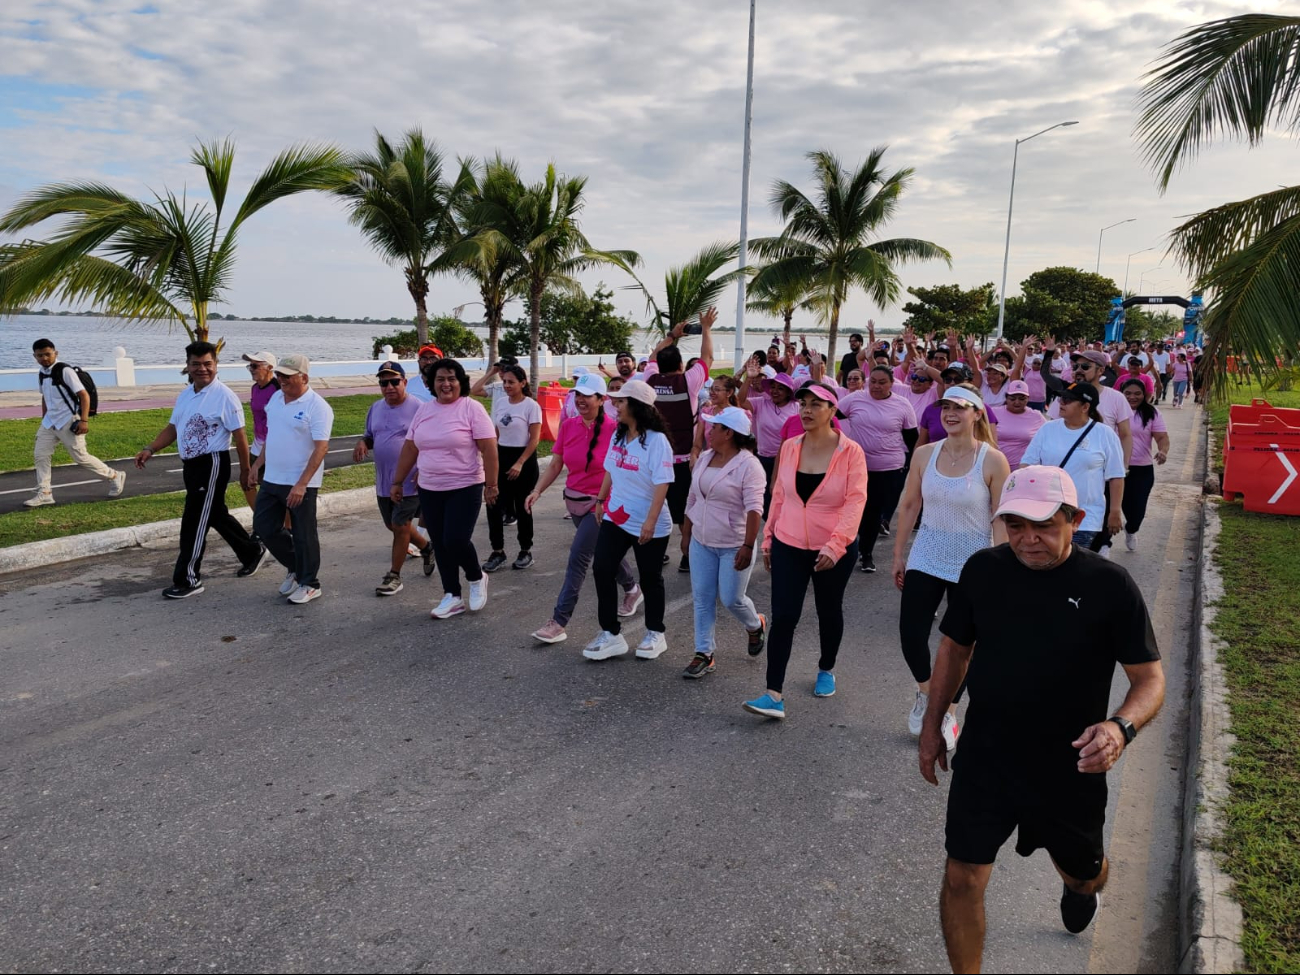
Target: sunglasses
[[921, 379], [254, 366], [390, 382]]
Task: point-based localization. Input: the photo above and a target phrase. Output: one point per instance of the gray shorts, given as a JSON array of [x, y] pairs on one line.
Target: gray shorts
[[397, 515]]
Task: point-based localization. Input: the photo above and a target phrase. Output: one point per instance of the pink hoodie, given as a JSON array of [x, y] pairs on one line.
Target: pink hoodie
[[829, 523]]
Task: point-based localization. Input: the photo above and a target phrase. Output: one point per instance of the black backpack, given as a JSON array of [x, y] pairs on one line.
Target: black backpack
[[66, 394]]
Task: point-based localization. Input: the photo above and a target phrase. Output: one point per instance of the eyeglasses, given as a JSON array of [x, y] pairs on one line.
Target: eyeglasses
[[390, 382], [921, 379], [254, 366]]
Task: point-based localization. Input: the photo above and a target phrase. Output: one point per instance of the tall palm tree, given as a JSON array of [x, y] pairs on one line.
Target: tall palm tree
[[405, 209], [828, 242], [689, 288], [535, 228], [1234, 77], [779, 299], [162, 261]]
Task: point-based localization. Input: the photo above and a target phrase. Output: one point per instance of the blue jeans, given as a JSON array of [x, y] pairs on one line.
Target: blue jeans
[[1084, 539], [714, 577], [581, 552]]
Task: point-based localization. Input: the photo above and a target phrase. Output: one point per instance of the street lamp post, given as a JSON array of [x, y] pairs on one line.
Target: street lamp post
[[1103, 230], [1142, 276], [1124, 290], [1006, 254], [744, 198]]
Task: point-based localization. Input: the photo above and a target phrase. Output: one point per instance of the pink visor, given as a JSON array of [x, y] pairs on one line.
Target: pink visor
[[821, 391]]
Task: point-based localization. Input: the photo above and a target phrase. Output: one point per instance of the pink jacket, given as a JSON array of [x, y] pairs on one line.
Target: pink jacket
[[830, 521], [718, 517]]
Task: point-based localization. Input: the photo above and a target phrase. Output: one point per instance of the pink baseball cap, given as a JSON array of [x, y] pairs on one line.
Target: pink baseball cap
[[785, 380], [1037, 492], [821, 390], [1018, 387]]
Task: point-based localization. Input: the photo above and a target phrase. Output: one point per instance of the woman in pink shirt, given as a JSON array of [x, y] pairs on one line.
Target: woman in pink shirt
[[770, 408], [1182, 373], [581, 446], [1147, 425], [811, 536], [1133, 370], [1019, 422], [723, 514], [722, 394]]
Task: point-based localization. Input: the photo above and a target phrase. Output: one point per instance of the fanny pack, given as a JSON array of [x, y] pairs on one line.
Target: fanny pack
[[580, 505]]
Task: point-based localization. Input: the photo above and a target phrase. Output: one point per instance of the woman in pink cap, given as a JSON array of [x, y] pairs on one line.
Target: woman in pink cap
[[723, 513], [1018, 423], [770, 408], [811, 536], [721, 395]]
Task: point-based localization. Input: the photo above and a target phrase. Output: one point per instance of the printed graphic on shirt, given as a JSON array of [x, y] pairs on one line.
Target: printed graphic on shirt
[[194, 436], [624, 460]]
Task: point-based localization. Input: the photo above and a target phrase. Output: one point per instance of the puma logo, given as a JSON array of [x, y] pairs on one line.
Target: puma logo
[[1075, 600]]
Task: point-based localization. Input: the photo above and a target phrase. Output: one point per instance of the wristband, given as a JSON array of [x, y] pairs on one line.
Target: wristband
[[750, 547]]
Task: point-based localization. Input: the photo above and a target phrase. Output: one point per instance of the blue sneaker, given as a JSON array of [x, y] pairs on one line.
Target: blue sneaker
[[767, 707], [825, 685]]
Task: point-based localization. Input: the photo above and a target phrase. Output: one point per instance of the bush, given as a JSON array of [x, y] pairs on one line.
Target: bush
[[447, 333], [571, 324]]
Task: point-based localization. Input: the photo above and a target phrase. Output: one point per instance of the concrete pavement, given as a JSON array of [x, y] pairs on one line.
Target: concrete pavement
[[234, 783]]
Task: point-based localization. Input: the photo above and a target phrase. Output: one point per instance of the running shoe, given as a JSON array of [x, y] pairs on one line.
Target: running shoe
[[412, 551], [825, 685], [509, 519], [426, 553], [884, 529], [449, 607], [1078, 910], [304, 594], [917, 715], [289, 585], [1130, 541], [767, 707], [524, 561], [552, 632], [685, 564], [701, 665], [118, 484], [182, 592], [651, 645], [868, 564], [606, 645], [478, 595], [250, 569], [631, 600], [391, 585], [38, 499], [758, 638], [494, 562], [1104, 551], [950, 731]]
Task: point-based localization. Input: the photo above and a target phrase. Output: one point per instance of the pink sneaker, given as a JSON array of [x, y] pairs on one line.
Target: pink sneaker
[[552, 632], [632, 599]]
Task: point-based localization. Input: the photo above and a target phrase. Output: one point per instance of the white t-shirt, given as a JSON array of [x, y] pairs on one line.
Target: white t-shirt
[[1161, 359], [634, 471], [57, 412], [1098, 459], [1114, 408], [292, 430], [512, 420], [204, 420]]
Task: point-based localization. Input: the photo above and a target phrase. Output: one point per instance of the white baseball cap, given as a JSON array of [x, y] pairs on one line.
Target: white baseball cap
[[636, 389], [590, 384], [262, 356], [733, 417]]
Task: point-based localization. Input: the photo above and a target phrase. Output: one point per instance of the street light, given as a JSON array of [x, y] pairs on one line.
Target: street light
[[1124, 290], [1103, 230], [1006, 254], [1143, 275], [744, 198]]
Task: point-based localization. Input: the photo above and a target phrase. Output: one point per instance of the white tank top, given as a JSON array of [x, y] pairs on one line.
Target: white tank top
[[955, 522]]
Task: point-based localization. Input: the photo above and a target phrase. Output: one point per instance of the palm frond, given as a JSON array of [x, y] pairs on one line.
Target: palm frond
[[60, 199], [309, 166], [1202, 241], [216, 160], [35, 271]]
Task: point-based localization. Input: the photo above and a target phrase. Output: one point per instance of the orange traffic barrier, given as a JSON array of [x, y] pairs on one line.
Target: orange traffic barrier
[[1261, 457], [551, 399]]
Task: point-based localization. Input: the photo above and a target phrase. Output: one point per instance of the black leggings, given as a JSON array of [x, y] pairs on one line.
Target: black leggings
[[769, 465], [511, 500], [792, 569], [883, 488], [611, 545], [679, 491], [922, 594], [1137, 491], [450, 517]]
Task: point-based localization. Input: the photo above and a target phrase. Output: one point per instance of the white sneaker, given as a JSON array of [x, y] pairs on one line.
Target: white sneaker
[[478, 595], [1130, 541], [38, 499], [118, 485], [629, 601], [412, 552], [606, 645], [304, 594], [917, 714], [449, 607], [289, 585], [950, 731], [1104, 551], [651, 645]]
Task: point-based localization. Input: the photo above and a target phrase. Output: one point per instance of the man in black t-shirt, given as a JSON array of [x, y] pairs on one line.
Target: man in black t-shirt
[[850, 360], [1037, 741]]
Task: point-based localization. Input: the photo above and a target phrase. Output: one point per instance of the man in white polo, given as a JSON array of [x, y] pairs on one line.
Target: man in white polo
[[207, 417], [298, 427]]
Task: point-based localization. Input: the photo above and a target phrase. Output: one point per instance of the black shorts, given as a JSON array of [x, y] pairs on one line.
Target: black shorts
[[399, 514], [986, 806]]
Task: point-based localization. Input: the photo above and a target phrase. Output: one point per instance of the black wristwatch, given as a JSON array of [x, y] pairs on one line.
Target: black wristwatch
[[1126, 726]]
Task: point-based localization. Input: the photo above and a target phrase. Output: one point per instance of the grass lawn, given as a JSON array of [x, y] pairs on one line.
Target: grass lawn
[[1257, 618]]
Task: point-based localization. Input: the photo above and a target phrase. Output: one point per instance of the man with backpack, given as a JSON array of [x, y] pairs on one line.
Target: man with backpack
[[65, 414]]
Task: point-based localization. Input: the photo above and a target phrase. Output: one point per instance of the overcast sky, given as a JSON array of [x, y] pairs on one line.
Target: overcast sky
[[645, 99]]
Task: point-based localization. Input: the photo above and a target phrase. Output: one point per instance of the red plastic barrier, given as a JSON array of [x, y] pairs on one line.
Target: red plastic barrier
[[551, 399], [1261, 458]]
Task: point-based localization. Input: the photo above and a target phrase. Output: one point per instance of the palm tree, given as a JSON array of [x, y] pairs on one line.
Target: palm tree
[[161, 261], [398, 197], [1232, 77], [689, 288], [780, 299], [827, 244], [535, 230]]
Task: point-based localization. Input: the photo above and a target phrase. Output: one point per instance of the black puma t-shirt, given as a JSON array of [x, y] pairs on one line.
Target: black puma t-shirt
[[1046, 645]]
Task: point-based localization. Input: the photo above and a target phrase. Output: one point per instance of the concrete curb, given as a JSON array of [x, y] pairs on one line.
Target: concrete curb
[[35, 555], [1210, 920]]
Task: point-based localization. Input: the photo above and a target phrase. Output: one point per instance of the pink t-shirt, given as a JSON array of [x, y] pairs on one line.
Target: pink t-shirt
[[1181, 370], [793, 427], [877, 425], [768, 421], [446, 435], [571, 444], [918, 401], [1015, 430], [1143, 378], [1142, 439]]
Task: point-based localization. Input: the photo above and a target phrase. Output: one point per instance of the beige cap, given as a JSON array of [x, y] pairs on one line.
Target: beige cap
[[262, 356], [294, 365]]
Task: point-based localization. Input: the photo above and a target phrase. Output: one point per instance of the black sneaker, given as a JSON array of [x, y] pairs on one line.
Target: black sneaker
[[884, 529], [509, 519], [868, 564], [251, 568], [700, 665], [524, 561], [426, 553], [685, 564], [182, 592], [759, 637], [665, 558], [494, 562], [1078, 910]]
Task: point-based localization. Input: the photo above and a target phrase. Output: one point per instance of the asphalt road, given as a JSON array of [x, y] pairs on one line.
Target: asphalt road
[[163, 473], [233, 783]]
